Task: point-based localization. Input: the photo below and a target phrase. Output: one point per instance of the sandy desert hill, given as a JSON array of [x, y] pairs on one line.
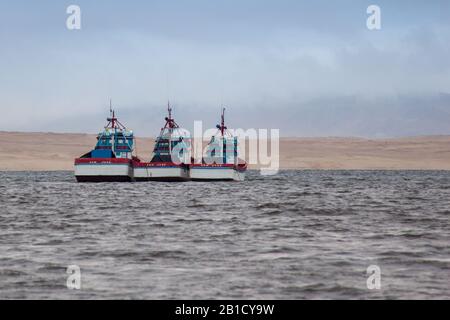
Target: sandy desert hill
[[56, 151]]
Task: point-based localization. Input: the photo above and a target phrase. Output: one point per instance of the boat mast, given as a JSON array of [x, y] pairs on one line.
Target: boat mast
[[170, 123], [113, 118], [222, 126]]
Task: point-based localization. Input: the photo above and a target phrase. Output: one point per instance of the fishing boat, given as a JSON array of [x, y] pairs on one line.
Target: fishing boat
[[221, 161], [171, 155], [111, 159]]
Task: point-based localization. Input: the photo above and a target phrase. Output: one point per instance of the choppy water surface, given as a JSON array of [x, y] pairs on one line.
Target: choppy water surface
[[296, 235]]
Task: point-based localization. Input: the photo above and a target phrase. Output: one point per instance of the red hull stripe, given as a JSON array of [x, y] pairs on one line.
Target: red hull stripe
[[240, 167], [225, 165], [155, 164], [139, 164], [102, 161]]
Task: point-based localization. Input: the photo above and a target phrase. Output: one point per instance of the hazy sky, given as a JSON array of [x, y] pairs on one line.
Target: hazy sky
[[309, 68]]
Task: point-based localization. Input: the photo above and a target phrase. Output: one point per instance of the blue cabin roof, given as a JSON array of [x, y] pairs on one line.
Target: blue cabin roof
[[115, 141]]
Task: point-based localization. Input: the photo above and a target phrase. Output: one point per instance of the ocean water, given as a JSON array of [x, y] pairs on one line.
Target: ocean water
[[295, 235]]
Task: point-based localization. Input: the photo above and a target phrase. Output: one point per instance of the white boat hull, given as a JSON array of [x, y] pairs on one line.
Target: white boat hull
[[103, 172], [161, 173], [216, 173]]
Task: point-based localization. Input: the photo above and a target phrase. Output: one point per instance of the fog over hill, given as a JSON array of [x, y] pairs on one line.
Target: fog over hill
[[339, 116]]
